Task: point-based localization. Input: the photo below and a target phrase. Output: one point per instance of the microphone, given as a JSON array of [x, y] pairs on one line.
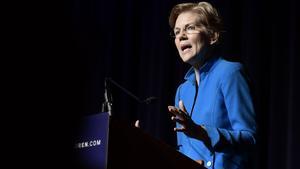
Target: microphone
[[150, 100], [108, 96], [107, 104]]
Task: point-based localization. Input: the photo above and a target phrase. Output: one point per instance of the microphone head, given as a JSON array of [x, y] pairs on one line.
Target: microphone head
[[150, 99]]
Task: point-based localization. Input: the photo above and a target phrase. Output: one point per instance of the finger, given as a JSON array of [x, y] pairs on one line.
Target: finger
[[137, 124], [182, 107], [181, 121], [172, 108], [182, 129], [177, 115], [176, 112], [201, 162]]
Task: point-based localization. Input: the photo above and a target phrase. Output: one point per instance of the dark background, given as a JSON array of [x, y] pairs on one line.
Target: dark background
[[61, 51]]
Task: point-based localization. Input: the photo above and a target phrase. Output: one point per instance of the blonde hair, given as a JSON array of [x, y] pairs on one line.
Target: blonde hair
[[208, 16]]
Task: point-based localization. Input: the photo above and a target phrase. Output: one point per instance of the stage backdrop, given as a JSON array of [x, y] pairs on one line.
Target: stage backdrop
[[80, 42]]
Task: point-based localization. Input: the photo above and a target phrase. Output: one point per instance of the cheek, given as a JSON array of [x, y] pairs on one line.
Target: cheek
[[199, 46], [176, 43], [200, 42], [203, 38]]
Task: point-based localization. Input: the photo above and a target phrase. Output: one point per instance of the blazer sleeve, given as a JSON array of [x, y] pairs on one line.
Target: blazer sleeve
[[239, 104]]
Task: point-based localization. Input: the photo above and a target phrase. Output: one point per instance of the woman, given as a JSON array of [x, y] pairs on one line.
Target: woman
[[213, 108]]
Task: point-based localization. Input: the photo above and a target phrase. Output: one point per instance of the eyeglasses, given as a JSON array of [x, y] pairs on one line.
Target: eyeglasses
[[188, 29]]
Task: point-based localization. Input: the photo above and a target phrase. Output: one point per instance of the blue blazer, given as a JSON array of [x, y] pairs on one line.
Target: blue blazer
[[223, 105]]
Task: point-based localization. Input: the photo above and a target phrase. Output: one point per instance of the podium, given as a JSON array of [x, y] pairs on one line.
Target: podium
[[131, 147]]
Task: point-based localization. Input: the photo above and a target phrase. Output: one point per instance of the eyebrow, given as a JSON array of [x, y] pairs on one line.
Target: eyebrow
[[188, 24]]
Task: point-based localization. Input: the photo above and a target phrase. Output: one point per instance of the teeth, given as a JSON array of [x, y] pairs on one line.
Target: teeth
[[183, 48], [186, 49]]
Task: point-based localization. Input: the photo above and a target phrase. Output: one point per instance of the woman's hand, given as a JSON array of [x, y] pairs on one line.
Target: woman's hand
[[181, 116], [189, 127], [137, 124]]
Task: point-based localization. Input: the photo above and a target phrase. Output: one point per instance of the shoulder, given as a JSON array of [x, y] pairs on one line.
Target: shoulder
[[225, 71], [233, 74], [225, 67]]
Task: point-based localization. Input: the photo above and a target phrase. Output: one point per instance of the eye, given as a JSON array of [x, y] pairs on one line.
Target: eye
[[191, 28], [176, 32]]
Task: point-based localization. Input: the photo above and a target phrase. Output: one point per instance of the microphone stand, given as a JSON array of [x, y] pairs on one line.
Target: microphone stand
[[107, 104]]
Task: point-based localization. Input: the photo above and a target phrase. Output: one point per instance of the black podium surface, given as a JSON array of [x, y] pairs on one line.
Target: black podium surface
[[131, 147]]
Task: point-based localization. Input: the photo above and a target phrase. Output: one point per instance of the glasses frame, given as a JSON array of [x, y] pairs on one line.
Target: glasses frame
[[190, 28]]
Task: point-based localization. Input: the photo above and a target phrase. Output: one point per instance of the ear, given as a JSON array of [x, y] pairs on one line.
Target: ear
[[214, 38]]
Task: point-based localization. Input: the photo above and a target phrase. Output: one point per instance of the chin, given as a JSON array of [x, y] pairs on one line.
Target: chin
[[187, 59]]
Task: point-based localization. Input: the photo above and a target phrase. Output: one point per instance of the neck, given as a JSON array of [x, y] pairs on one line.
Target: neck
[[197, 74], [207, 54]]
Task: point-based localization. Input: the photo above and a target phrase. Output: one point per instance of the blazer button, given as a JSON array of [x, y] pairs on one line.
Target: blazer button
[[208, 163]]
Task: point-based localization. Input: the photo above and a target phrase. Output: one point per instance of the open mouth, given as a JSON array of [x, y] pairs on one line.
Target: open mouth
[[186, 47]]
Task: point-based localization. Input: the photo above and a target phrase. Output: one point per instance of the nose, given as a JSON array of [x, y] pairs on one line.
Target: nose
[[182, 35]]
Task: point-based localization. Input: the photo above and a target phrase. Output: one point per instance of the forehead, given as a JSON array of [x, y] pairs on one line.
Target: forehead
[[186, 18]]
